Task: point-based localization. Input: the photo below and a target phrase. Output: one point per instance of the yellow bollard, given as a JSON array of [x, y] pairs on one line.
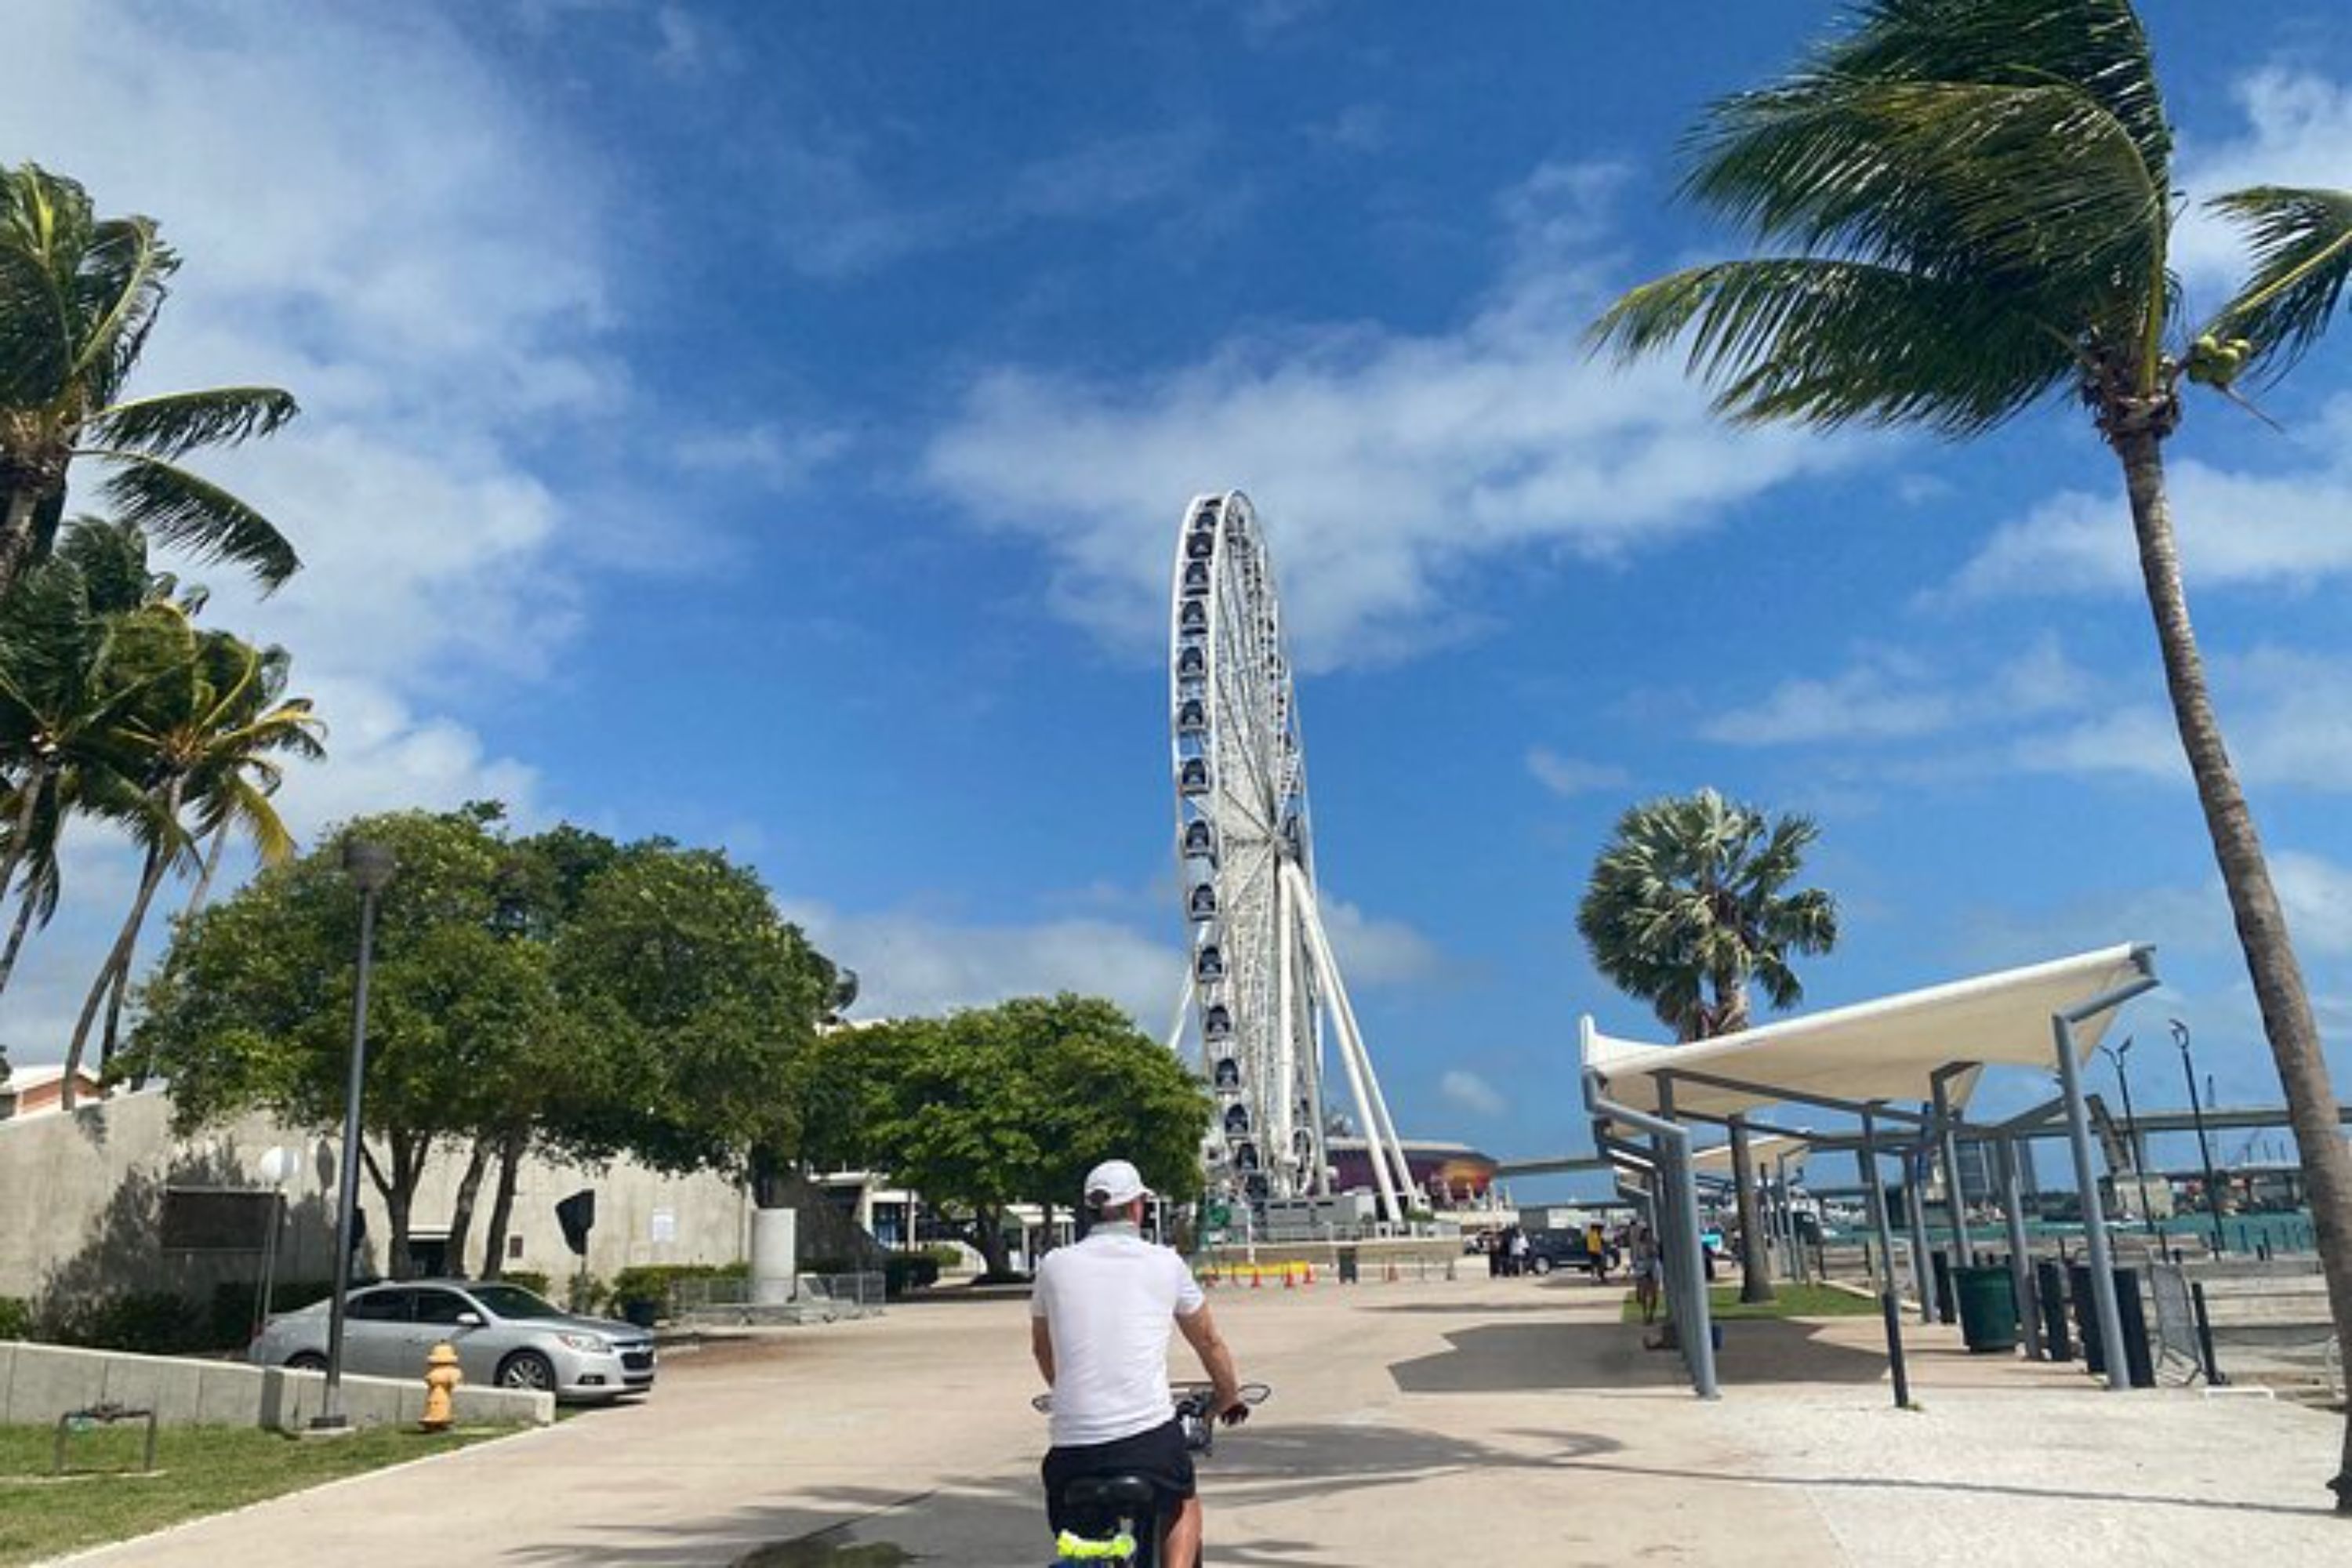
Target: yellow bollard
[[442, 1377]]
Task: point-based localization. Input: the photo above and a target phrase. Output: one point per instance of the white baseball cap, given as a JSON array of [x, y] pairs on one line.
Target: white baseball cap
[[1114, 1183]]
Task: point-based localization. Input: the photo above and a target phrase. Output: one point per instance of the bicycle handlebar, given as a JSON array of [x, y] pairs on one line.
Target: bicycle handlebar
[[1191, 1398]]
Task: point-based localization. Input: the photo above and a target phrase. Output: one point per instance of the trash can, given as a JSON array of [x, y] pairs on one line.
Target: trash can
[[1347, 1266], [2086, 1318], [2049, 1289], [1988, 1310], [2139, 1365], [1940, 1266]]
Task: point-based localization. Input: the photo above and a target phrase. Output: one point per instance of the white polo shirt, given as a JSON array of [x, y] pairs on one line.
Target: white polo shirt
[[1110, 1302]]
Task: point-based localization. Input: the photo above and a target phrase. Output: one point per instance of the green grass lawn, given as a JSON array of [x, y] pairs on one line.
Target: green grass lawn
[[1789, 1301], [103, 1497]]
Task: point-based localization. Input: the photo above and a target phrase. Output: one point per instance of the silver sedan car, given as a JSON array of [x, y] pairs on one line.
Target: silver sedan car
[[505, 1336]]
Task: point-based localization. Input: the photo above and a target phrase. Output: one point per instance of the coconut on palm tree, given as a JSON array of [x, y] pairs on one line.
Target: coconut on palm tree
[[79, 294], [1688, 905], [1969, 208]]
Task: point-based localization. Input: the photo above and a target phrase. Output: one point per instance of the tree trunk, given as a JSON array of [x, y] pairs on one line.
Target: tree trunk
[[2287, 1020], [28, 807], [16, 535], [494, 1245], [126, 942], [213, 856], [16, 934], [461, 1214], [1755, 1271], [109, 1037], [987, 1234]]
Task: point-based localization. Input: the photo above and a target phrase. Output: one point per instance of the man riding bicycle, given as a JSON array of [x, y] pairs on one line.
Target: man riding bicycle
[[1099, 1321]]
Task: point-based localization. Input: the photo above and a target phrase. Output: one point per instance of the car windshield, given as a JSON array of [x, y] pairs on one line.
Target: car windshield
[[512, 1301]]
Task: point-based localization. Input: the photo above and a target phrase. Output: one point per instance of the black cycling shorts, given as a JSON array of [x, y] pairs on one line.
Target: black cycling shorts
[[1159, 1456]]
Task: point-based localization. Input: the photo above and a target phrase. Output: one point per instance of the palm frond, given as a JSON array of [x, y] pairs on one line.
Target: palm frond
[[2302, 244], [192, 513], [176, 423], [36, 338], [119, 286], [1827, 343]]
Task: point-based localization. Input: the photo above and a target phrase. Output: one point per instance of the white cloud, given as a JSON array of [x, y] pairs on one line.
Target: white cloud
[[2236, 529], [433, 294], [1888, 694], [2287, 714], [2298, 131], [1472, 1093], [1387, 464], [778, 458], [1573, 775], [926, 960]]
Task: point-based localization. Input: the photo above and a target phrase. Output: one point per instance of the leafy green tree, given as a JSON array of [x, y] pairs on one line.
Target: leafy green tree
[[1969, 205], [1689, 903], [78, 295], [995, 1106], [251, 1008], [682, 954]]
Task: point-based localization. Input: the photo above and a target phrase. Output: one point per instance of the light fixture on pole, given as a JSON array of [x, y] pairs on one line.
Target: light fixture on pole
[[274, 1165], [369, 866], [2116, 1054], [2204, 1149]]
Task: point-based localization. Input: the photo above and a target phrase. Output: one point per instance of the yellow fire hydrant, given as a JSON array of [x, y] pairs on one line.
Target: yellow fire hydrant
[[442, 1377]]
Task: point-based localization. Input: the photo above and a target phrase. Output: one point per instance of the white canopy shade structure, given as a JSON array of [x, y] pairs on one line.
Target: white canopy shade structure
[[1906, 1066], [1886, 1049], [1717, 1160]]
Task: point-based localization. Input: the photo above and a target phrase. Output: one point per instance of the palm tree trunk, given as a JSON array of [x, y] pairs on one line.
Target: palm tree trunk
[[36, 784], [212, 869], [16, 934], [16, 539], [1755, 1277], [2287, 1020], [112, 1036], [118, 958]]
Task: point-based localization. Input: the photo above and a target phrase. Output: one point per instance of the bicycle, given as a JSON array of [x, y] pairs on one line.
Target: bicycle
[[1118, 1516]]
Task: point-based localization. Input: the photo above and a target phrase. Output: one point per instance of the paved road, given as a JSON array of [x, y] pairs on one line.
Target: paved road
[[1485, 1421]]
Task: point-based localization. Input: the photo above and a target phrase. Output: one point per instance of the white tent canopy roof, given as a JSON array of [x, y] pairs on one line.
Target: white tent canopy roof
[[1887, 1050], [1763, 1150]]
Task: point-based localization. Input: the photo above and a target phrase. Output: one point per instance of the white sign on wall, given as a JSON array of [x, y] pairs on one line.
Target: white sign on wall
[[664, 1225]]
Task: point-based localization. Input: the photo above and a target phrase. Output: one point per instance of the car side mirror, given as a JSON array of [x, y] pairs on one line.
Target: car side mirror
[[469, 1319]]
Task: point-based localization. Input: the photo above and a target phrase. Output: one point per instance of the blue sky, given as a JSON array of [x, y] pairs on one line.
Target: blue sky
[[766, 425]]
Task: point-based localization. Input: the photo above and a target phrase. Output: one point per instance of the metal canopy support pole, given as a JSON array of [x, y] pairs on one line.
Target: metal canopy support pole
[[1673, 1145], [2095, 1219], [1956, 1197], [1868, 1161], [1695, 1315], [2020, 1264], [1915, 1209]]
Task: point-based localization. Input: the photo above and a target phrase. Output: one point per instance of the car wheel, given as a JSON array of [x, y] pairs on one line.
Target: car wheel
[[527, 1370], [308, 1361], [1543, 1267]]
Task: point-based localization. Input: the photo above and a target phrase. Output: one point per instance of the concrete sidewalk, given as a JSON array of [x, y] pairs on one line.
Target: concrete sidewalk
[[1483, 1420]]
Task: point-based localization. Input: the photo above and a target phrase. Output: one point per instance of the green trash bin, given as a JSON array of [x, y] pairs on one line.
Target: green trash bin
[[1988, 1310]]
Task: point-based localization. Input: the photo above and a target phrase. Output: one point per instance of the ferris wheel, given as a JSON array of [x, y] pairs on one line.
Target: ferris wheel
[[1263, 984]]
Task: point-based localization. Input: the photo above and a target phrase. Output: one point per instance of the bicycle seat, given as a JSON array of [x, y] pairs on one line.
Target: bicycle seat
[[1109, 1494]]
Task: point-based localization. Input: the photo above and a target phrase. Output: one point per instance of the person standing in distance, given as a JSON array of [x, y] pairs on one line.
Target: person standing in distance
[[1099, 1324]]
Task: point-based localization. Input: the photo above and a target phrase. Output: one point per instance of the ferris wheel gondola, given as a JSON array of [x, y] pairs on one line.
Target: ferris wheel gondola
[[1264, 983]]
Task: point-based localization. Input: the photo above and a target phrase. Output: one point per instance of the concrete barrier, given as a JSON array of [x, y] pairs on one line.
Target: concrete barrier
[[40, 1383]]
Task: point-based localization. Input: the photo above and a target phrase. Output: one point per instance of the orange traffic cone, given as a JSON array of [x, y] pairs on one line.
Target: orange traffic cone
[[1257, 1280], [1310, 1274], [1289, 1280]]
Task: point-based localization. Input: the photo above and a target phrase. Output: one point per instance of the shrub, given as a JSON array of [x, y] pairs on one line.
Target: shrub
[[652, 1284], [151, 1323], [532, 1280], [16, 1317], [233, 1301]]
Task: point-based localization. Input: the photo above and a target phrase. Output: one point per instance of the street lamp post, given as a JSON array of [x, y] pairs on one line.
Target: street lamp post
[[369, 866], [2204, 1149], [2116, 1054]]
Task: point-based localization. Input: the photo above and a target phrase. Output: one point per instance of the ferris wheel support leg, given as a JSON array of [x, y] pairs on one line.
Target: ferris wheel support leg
[[1352, 1054], [1285, 1064], [1183, 1008]]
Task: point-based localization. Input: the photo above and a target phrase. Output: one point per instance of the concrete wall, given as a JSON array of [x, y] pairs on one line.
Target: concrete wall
[[82, 1197], [40, 1383]]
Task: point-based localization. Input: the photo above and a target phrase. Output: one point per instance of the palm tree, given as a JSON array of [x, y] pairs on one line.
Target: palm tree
[[1970, 207], [204, 731], [78, 297], [1689, 903], [61, 698]]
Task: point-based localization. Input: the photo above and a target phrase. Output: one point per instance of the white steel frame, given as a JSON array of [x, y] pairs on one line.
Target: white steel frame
[[1263, 983]]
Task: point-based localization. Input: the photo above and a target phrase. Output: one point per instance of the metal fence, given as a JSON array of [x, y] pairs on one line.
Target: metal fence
[[862, 1292]]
